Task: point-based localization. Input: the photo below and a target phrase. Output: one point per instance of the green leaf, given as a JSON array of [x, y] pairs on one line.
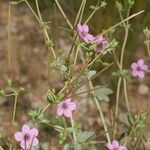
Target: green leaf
[[59, 128], [71, 130], [84, 136], [91, 73], [2, 93], [103, 93], [92, 7], [77, 146], [13, 2], [67, 147], [103, 4], [119, 6]]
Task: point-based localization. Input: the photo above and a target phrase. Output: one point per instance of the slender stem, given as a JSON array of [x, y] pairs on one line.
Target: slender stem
[[118, 24], [94, 11], [79, 12], [125, 94], [63, 14], [72, 124], [9, 42], [15, 106], [148, 49], [123, 47], [117, 96], [33, 11], [45, 108], [101, 113]]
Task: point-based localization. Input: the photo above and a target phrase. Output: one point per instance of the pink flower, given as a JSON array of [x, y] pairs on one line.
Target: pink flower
[[65, 108], [115, 146], [139, 68], [101, 43], [83, 32], [27, 137]]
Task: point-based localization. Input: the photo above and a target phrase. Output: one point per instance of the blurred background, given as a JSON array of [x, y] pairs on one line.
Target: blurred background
[[29, 64]]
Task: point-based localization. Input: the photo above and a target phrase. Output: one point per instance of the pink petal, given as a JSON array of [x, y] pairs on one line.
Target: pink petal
[[141, 74], [34, 132], [144, 67], [85, 28], [134, 65], [25, 128], [115, 144], [60, 111], [99, 38], [122, 148], [68, 100], [79, 27], [18, 136], [25, 144], [35, 142], [105, 44], [67, 113], [88, 38], [109, 146], [140, 62], [72, 106], [134, 73]]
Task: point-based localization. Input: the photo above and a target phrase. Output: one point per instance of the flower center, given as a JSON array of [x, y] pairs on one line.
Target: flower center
[[65, 106], [26, 137], [139, 68]]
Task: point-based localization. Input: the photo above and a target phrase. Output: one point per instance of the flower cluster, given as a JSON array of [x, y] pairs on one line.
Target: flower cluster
[[115, 146], [27, 137], [100, 41]]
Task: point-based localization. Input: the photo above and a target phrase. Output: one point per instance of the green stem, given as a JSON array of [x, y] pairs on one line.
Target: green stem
[[15, 106], [72, 124], [63, 14], [117, 96], [101, 113], [125, 94]]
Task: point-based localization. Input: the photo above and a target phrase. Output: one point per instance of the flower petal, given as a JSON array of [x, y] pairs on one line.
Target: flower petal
[[79, 27], [140, 62], [72, 106], [134, 65], [144, 67], [115, 144], [109, 146], [25, 144], [34, 132], [35, 142], [134, 73], [67, 113], [18, 136], [60, 111], [85, 28], [122, 148], [68, 100], [141, 74], [25, 129]]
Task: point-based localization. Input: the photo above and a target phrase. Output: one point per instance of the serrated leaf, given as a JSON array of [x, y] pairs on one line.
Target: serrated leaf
[[77, 146], [71, 130], [103, 93], [84, 136], [67, 147]]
